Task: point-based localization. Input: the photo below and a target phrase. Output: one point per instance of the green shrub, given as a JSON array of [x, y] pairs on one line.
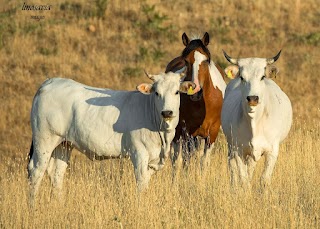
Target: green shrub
[[152, 24], [101, 6]]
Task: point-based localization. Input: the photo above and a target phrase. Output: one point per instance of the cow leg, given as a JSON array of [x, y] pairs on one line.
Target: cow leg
[[238, 170], [58, 165], [233, 169], [251, 164], [142, 171], [243, 172], [176, 159], [201, 149], [42, 151], [271, 159]]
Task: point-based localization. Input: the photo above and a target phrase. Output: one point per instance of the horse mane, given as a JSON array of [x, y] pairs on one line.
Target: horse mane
[[194, 44], [195, 36]]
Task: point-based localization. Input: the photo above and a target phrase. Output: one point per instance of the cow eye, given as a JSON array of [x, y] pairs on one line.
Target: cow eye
[[262, 78], [241, 78], [157, 94], [177, 92]]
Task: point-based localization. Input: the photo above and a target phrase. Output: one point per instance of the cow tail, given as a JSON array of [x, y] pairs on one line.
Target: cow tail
[[30, 156]]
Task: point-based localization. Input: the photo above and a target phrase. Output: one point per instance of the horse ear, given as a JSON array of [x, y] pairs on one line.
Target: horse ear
[[205, 39], [185, 39], [231, 71], [145, 88], [176, 64]]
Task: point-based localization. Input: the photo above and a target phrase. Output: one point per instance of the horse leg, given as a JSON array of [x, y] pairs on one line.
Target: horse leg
[[205, 158], [176, 159], [210, 139]]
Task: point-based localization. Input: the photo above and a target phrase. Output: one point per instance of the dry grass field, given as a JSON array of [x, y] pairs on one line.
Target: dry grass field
[[108, 44]]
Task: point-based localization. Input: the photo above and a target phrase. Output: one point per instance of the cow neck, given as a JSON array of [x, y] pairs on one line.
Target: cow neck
[[156, 119], [253, 122], [151, 109], [157, 122]]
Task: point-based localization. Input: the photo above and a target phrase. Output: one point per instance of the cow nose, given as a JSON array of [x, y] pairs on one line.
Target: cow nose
[[253, 100], [166, 114]]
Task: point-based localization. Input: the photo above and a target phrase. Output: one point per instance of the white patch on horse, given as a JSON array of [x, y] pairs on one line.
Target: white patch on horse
[[216, 78]]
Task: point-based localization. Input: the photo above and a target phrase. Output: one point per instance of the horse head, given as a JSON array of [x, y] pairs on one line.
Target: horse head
[[194, 60]]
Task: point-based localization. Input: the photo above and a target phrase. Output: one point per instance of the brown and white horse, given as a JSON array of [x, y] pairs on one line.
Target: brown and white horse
[[200, 111]]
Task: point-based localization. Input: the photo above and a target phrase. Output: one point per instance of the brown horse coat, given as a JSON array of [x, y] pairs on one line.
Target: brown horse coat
[[200, 113]]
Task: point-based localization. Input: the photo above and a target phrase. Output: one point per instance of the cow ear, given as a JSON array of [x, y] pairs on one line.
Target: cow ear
[[145, 88], [272, 71], [187, 87], [185, 39], [231, 71]]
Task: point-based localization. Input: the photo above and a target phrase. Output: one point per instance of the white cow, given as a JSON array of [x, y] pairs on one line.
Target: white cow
[[103, 123], [256, 117]]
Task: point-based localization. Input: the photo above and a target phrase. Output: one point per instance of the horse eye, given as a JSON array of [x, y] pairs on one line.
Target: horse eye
[[263, 77], [177, 92]]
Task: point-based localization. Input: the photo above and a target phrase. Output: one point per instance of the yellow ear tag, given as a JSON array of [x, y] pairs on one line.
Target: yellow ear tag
[[229, 74], [190, 91]]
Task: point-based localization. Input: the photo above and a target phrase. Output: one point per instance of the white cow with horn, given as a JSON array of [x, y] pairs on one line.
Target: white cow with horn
[[256, 117], [103, 123]]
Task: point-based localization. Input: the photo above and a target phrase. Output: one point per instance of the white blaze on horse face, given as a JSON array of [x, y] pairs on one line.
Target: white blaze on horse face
[[252, 71], [198, 58]]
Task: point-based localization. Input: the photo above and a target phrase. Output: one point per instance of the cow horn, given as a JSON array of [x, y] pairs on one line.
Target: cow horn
[[231, 60], [148, 75], [273, 59]]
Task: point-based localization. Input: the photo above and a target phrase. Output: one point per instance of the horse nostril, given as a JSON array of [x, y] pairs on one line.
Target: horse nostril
[[166, 114]]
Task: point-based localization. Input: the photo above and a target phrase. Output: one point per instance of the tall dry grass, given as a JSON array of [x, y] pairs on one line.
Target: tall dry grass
[[96, 196], [110, 48]]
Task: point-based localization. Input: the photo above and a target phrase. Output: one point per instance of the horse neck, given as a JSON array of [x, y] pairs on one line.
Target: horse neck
[[205, 79]]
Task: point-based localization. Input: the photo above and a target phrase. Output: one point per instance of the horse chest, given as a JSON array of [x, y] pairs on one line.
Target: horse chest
[[192, 112]]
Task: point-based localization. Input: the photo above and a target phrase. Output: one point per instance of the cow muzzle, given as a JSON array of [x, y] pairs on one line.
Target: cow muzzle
[[253, 100], [167, 115], [169, 121]]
